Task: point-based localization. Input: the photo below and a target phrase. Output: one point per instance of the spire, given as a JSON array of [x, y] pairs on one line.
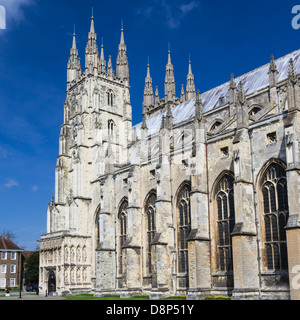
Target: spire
[[91, 51], [182, 94], [110, 70], [156, 96], [241, 94], [190, 86], [122, 61], [74, 67], [232, 82], [199, 119], [122, 41], [92, 29], [273, 73], [169, 116], [148, 91], [198, 106], [242, 109], [170, 93], [232, 90], [102, 59], [74, 40], [169, 55], [292, 78]]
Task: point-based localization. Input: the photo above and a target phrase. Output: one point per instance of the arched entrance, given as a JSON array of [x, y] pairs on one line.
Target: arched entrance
[[52, 282]]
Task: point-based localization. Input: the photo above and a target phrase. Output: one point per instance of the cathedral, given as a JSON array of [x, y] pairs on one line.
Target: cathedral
[[200, 199]]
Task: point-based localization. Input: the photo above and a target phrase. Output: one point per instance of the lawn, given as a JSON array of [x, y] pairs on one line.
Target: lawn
[[115, 297], [88, 296]]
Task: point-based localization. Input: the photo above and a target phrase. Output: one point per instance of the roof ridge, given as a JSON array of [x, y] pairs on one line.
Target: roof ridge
[[252, 71]]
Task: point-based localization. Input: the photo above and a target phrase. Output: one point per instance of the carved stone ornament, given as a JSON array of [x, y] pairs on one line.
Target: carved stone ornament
[[236, 154], [289, 138]]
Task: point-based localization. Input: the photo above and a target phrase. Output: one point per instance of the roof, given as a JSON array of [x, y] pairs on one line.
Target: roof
[[252, 81], [6, 244]]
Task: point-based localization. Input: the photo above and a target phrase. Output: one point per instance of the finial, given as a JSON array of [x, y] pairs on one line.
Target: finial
[[241, 93], [232, 82], [273, 67], [122, 25], [74, 31], [169, 47], [92, 12], [148, 61], [291, 73]]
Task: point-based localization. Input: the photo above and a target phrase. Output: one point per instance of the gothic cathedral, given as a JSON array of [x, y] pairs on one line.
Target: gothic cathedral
[[200, 199]]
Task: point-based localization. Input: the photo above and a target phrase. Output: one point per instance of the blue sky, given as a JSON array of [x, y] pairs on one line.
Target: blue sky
[[222, 37]]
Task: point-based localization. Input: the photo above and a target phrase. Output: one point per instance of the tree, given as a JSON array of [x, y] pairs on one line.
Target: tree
[[8, 234], [31, 268]]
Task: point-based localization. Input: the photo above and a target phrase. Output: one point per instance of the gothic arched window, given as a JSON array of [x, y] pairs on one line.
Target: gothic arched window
[[122, 216], [275, 205], [184, 227], [97, 227], [110, 126], [225, 221], [110, 98], [151, 227], [215, 126]]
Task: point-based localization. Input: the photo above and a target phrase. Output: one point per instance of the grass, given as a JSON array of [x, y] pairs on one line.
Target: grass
[[88, 296], [110, 297]]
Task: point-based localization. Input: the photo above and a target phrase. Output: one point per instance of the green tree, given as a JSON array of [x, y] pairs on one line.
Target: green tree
[[31, 268]]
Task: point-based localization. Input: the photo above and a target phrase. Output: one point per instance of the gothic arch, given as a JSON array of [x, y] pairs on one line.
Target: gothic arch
[[149, 194], [97, 225], [254, 108], [217, 180], [274, 213], [122, 232], [110, 97], [150, 223], [181, 186], [216, 123], [224, 221], [183, 209], [111, 127], [265, 167]]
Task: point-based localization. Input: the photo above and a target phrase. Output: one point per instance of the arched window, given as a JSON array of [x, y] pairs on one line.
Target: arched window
[[225, 221], [254, 111], [184, 227], [110, 127], [275, 207], [97, 227], [215, 126], [151, 227], [110, 98], [122, 216]]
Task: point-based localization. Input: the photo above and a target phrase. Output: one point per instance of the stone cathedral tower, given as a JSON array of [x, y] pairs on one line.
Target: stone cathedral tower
[[95, 134], [200, 198]]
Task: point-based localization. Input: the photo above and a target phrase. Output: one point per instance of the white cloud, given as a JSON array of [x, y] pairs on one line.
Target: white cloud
[[2, 17], [186, 8], [35, 188], [3, 152], [173, 12], [15, 10], [11, 183]]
